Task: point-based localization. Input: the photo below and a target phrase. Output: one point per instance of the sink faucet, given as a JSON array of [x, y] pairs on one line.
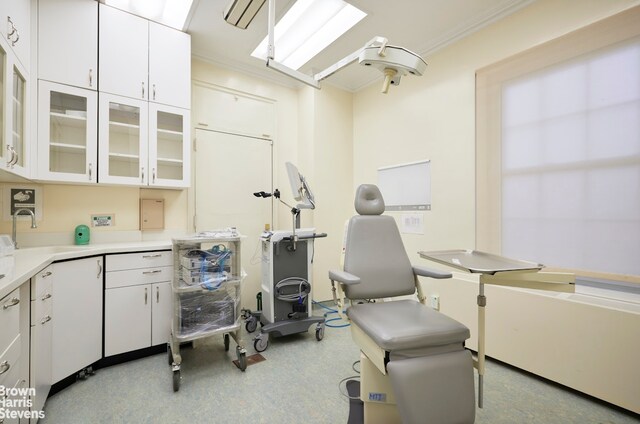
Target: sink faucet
[[15, 214]]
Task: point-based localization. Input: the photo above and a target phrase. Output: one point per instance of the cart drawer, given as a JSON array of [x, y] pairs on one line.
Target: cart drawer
[[138, 260], [134, 277]]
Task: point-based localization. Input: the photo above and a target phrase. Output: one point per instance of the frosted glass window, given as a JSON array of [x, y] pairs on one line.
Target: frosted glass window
[[570, 155]]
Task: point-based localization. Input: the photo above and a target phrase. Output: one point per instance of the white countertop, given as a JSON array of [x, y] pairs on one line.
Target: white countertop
[[25, 263]]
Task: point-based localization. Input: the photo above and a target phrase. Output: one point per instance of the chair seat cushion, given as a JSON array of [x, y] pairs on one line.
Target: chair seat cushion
[[406, 324]]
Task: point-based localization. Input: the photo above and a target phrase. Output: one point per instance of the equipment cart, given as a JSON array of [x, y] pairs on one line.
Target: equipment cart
[[206, 293]]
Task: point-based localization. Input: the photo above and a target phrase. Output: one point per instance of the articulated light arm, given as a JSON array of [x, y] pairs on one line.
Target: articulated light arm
[[271, 52], [392, 61], [348, 60]]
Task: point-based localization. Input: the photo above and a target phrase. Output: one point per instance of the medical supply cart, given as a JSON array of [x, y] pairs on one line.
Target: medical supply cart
[[206, 293], [287, 261]]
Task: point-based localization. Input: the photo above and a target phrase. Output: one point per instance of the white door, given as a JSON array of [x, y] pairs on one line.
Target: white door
[[123, 53], [77, 316], [127, 322], [161, 312], [229, 169], [68, 42]]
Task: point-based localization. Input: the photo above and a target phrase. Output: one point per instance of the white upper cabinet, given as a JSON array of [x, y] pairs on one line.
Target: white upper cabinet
[[67, 133], [68, 42], [143, 143], [15, 27], [169, 66], [123, 53]]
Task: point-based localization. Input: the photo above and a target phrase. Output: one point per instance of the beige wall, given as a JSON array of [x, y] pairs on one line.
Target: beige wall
[[65, 206], [285, 140], [329, 155], [433, 116], [314, 131]]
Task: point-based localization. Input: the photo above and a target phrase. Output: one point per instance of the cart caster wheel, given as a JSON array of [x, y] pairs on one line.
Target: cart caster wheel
[[242, 359], [261, 343], [226, 342], [176, 380], [251, 324], [319, 332]]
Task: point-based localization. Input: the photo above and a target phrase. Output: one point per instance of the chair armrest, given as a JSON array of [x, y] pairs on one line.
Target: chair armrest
[[343, 277], [431, 273]]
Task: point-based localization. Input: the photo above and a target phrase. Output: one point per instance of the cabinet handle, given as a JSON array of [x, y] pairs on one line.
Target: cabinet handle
[[13, 154], [45, 320], [12, 32], [46, 274], [202, 124], [90, 77], [143, 89], [157, 294], [16, 157], [99, 269], [46, 296], [4, 367], [155, 271], [146, 292], [90, 170], [13, 302], [153, 174], [142, 179], [154, 91], [13, 42], [156, 255]]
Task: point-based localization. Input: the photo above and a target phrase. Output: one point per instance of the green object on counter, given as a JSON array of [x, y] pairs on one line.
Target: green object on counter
[[82, 234]]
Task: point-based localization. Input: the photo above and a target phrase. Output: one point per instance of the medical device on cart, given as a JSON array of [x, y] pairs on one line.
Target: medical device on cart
[[206, 287], [287, 258]]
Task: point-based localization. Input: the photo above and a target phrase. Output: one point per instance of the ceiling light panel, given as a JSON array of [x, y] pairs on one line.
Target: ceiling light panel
[[308, 28]]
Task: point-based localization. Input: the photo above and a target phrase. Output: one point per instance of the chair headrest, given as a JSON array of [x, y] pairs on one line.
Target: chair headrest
[[369, 200]]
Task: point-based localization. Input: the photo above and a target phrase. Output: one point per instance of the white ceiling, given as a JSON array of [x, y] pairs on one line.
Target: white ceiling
[[422, 26]]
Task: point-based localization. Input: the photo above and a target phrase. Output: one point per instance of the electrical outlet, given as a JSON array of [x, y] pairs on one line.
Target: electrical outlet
[[434, 301]]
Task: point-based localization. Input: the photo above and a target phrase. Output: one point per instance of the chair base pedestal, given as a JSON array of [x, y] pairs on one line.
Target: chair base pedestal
[[377, 394]]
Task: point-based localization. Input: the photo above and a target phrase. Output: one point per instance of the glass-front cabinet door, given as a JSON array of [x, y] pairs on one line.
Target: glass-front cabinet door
[[123, 136], [169, 146], [3, 115], [13, 114], [67, 133], [18, 117]]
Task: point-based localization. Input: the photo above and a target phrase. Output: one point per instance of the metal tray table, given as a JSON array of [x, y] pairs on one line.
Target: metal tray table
[[498, 270]]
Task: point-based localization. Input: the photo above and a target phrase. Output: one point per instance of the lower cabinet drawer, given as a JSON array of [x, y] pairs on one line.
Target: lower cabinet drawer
[[9, 319], [134, 277], [138, 260]]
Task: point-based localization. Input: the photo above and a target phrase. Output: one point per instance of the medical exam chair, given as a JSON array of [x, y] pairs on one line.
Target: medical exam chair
[[414, 366]]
